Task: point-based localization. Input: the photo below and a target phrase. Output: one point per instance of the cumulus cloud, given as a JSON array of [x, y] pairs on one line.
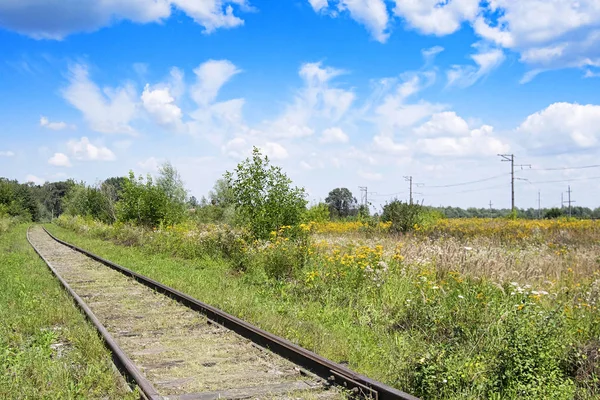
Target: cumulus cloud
[[84, 150], [35, 179], [547, 34], [55, 126], [109, 110], [6, 153], [373, 14], [447, 134], [150, 164], [478, 142], [161, 106], [317, 102], [275, 151], [211, 76], [562, 126], [334, 135], [59, 160], [55, 19], [436, 17], [485, 62]]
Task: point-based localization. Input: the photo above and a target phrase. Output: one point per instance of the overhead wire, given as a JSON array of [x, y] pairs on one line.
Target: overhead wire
[[468, 183]]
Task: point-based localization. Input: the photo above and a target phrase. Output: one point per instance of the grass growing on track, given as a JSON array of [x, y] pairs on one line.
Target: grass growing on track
[[47, 348], [331, 332]]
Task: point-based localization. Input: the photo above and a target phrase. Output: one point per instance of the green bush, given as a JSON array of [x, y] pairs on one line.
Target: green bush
[[403, 216], [263, 196], [318, 213]]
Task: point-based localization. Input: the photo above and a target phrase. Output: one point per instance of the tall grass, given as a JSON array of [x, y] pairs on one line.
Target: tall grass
[[446, 316], [47, 349]]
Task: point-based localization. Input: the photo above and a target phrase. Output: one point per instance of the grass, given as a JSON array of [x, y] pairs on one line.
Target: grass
[[47, 348], [455, 317]]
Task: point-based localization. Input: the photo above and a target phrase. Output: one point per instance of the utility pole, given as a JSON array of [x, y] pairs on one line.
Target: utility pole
[[511, 158], [569, 201], [491, 213], [409, 180], [539, 205], [363, 195]]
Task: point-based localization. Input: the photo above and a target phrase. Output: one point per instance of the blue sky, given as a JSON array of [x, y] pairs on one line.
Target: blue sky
[[340, 93]]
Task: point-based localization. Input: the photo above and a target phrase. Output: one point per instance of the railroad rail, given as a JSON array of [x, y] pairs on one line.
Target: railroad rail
[[192, 335]]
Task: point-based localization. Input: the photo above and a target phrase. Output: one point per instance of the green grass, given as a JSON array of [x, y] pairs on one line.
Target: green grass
[[47, 348], [438, 336]]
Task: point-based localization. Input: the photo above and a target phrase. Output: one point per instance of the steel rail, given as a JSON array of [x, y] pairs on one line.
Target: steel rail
[[120, 359], [334, 373]]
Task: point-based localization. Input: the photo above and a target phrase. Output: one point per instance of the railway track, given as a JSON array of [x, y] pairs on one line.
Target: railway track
[[174, 347]]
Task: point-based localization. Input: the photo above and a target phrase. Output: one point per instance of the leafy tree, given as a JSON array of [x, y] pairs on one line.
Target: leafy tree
[[89, 202], [553, 213], [341, 202], [170, 182], [403, 216], [193, 202], [263, 196], [221, 194], [146, 203], [317, 213]]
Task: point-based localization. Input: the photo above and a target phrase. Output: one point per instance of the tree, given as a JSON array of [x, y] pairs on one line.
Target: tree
[[193, 202], [221, 194], [170, 182], [341, 202], [263, 196], [553, 213]]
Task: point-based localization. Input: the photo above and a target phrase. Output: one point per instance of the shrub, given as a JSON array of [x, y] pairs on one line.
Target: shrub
[[263, 196], [403, 216], [318, 213]]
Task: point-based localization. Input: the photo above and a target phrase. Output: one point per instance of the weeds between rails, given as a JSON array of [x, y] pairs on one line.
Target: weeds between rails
[[453, 317]]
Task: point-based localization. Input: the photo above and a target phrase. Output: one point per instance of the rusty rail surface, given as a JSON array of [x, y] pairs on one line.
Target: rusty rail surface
[[120, 359], [336, 374]]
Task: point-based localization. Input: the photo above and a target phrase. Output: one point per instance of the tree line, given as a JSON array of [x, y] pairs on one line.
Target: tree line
[[255, 194]]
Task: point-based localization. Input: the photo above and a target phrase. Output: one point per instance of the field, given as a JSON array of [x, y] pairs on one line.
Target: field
[[47, 349], [457, 309]]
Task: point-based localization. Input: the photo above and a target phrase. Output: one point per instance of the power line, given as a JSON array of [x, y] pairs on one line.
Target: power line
[[465, 191], [567, 180], [468, 183], [564, 168]]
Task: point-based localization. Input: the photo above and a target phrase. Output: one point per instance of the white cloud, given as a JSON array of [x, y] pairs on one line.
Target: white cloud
[[236, 148], [436, 17], [55, 126], [150, 164], [318, 5], [370, 176], [317, 103], [55, 19], [430, 53], [36, 180], [84, 150], [334, 135], [386, 144], [108, 110], [443, 124], [547, 34], [211, 76], [6, 153], [447, 134], [466, 75], [161, 106], [275, 151], [562, 126], [59, 160], [373, 14], [479, 142]]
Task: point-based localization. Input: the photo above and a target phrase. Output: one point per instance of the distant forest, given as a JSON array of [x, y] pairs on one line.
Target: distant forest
[[43, 202]]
